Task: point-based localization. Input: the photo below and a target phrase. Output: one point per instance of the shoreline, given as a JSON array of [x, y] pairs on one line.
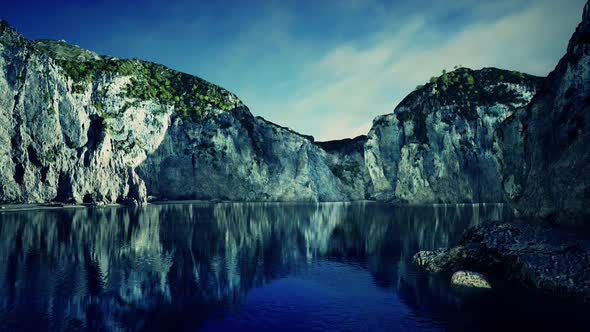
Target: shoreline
[[17, 207], [556, 264]]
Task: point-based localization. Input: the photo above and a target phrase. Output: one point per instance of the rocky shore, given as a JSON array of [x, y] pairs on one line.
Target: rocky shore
[[551, 260]]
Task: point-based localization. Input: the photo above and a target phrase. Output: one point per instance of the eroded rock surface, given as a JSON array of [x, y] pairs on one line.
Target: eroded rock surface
[[79, 127]]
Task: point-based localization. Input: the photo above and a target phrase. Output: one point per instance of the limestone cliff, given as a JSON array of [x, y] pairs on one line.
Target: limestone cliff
[[79, 127], [544, 157], [346, 159], [436, 146]]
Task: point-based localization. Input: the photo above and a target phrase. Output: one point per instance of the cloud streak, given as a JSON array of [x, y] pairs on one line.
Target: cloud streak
[[338, 94], [324, 68]]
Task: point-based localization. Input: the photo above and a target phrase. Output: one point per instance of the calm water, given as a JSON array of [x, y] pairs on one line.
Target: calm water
[[262, 267]]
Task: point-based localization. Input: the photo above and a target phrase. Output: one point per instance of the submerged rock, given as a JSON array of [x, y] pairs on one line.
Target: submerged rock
[[441, 259], [469, 279]]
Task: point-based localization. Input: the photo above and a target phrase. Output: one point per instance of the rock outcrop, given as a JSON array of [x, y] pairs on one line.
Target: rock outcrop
[[543, 148], [346, 159], [437, 144], [236, 156], [541, 257]]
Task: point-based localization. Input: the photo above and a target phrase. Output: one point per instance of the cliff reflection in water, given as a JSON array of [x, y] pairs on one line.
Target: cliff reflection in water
[[120, 268]]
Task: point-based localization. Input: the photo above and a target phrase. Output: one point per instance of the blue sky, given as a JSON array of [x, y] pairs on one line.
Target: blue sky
[[324, 68]]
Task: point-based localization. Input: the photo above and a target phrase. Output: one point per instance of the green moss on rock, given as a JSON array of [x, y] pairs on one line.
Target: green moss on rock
[[189, 95], [466, 89]]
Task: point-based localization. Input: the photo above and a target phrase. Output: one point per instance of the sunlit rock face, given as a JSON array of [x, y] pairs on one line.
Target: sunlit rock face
[[108, 267], [54, 143], [79, 127], [545, 146], [437, 144]]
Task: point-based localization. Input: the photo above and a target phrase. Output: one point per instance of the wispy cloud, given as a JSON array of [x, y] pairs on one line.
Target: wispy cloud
[[338, 94], [324, 68]]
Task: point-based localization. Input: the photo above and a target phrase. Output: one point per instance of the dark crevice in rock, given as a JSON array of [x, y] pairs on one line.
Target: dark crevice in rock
[[44, 171], [19, 173], [33, 158], [88, 198], [96, 134], [64, 189]]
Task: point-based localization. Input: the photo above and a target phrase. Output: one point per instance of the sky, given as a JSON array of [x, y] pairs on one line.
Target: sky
[[324, 68]]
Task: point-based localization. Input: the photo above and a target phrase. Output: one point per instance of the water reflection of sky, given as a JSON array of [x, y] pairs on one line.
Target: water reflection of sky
[[342, 266]]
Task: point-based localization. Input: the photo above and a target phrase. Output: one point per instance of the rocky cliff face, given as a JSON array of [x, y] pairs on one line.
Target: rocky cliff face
[[544, 148], [437, 144], [79, 127]]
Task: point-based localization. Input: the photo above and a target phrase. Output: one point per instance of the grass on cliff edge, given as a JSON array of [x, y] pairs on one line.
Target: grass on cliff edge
[[464, 89], [465, 86], [190, 96]]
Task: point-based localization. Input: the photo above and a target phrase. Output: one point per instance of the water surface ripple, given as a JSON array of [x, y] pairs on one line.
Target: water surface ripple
[[250, 266]]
